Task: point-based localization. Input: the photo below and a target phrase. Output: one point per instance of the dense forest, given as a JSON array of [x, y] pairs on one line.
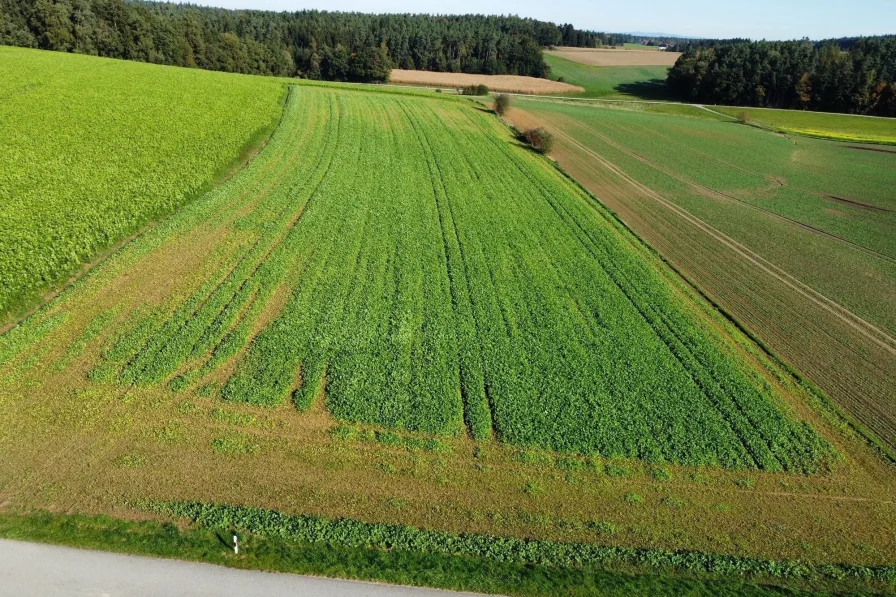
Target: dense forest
[[852, 75], [312, 44]]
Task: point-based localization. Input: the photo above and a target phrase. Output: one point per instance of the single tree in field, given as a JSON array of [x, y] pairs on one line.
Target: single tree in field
[[502, 103], [540, 139]]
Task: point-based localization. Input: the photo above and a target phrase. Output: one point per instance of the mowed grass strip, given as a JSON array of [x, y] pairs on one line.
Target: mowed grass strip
[[442, 279], [93, 149]]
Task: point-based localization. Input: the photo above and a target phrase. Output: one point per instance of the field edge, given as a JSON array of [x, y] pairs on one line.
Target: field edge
[[177, 538]]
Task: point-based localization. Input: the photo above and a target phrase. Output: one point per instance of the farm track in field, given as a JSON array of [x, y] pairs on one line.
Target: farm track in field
[[234, 293], [723, 195], [874, 333], [856, 371]]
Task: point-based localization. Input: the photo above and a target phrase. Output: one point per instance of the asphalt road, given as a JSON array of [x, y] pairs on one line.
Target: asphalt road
[[30, 569]]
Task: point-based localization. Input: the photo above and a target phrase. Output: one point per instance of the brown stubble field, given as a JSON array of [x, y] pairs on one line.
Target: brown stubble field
[[851, 361], [618, 57], [505, 83]]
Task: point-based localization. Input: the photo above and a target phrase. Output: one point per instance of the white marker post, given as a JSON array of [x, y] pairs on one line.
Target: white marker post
[[236, 545]]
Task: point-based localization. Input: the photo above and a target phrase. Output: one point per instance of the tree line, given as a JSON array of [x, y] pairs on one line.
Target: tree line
[[852, 75], [312, 44]]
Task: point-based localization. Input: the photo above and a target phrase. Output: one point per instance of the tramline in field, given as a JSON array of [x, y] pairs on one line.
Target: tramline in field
[[482, 290]]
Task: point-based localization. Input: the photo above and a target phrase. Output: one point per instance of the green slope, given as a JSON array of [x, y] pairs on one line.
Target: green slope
[[622, 82], [92, 149]]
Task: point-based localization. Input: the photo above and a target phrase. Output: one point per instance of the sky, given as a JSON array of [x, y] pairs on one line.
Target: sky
[[757, 19]]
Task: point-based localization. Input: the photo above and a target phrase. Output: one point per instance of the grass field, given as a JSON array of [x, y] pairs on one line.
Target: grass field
[[621, 82], [506, 83], [837, 127], [820, 213], [91, 150], [398, 344]]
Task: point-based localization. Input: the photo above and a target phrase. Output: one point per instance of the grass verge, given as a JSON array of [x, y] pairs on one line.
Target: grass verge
[[151, 538]]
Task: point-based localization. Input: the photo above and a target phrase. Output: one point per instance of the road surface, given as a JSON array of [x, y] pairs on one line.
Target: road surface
[[30, 569]]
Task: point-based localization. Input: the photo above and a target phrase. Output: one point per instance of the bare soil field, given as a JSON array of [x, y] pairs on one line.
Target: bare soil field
[[508, 83], [599, 57]]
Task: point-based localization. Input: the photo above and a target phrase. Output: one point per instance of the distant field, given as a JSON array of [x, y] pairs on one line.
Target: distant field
[[91, 150], [611, 82], [822, 212], [507, 83], [839, 127], [634, 105], [606, 57]]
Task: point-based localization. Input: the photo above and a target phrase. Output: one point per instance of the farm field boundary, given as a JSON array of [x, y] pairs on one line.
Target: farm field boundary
[[864, 346], [271, 552], [159, 152]]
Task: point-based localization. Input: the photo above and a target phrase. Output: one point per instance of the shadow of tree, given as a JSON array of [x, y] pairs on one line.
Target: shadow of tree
[[653, 89]]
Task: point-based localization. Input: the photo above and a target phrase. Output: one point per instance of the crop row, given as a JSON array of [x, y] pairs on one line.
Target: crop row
[[440, 278]]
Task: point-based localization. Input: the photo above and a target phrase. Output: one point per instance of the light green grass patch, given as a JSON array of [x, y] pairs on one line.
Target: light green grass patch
[[641, 82]]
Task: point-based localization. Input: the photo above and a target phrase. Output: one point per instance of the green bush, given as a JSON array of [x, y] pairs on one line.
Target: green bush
[[474, 90], [354, 533], [502, 104]]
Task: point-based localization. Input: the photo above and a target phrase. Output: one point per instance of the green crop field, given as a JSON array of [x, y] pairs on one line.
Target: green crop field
[[621, 82], [838, 127], [398, 344], [91, 150], [410, 313], [820, 212]]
